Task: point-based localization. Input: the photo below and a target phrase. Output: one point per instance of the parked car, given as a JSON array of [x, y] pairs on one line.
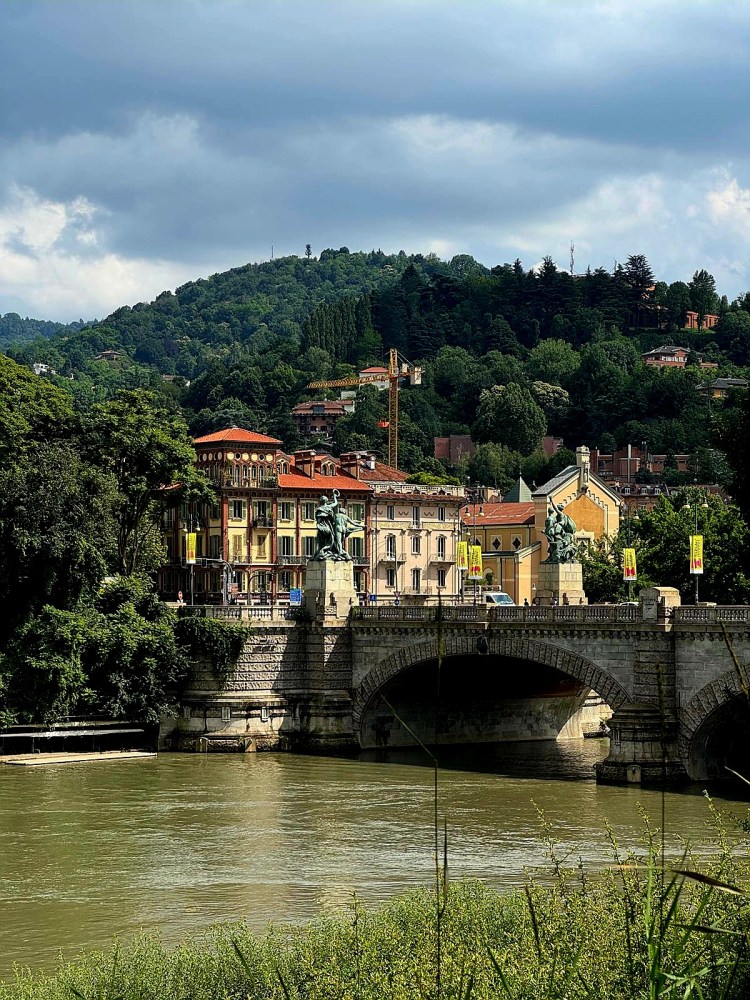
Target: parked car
[[498, 598]]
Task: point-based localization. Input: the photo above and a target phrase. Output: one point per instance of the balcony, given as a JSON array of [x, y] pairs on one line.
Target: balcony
[[263, 521], [388, 558], [361, 561], [285, 560]]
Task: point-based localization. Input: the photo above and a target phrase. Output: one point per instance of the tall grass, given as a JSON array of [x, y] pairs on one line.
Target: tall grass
[[633, 931]]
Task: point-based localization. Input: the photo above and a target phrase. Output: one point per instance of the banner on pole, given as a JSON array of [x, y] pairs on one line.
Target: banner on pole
[[462, 555], [475, 562], [629, 568], [696, 554], [190, 548]]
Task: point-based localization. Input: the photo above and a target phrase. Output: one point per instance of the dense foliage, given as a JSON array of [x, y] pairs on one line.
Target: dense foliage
[[565, 351], [661, 540], [80, 501]]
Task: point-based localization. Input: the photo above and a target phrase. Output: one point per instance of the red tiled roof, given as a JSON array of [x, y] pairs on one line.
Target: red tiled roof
[[321, 484], [237, 434], [375, 370], [497, 514], [381, 474]]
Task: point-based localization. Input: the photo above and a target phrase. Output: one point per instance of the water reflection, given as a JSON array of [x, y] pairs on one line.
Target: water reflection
[[177, 842]]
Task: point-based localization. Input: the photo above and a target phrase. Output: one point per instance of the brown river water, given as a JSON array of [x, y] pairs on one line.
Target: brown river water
[[177, 842]]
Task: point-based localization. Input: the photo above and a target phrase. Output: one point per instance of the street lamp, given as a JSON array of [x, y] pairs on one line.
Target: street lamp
[[695, 570]]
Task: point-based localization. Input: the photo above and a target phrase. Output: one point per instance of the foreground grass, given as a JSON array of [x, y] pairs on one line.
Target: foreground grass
[[628, 934]]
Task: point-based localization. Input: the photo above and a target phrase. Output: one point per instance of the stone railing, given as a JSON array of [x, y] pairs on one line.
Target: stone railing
[[711, 616], [243, 612], [564, 615]]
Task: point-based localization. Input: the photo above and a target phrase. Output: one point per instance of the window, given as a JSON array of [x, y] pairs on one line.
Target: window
[[416, 545], [390, 546], [441, 513], [237, 510], [441, 547], [285, 580], [308, 546], [199, 547], [286, 545], [262, 546], [496, 543], [416, 579], [415, 517], [357, 511], [308, 511], [238, 548], [390, 512], [226, 713], [516, 543], [215, 543], [441, 578], [390, 578], [286, 511], [213, 512]]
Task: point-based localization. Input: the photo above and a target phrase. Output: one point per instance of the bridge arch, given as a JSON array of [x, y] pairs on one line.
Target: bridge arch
[[706, 725], [534, 650]]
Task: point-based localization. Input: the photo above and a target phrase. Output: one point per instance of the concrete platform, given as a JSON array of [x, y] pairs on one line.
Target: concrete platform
[[37, 759]]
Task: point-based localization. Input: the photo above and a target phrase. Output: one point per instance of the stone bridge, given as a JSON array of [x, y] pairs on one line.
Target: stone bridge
[[673, 680]]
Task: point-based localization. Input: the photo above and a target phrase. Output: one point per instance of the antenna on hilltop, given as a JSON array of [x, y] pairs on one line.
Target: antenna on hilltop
[[572, 257]]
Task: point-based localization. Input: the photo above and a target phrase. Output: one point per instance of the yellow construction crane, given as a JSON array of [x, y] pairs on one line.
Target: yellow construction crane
[[398, 368]]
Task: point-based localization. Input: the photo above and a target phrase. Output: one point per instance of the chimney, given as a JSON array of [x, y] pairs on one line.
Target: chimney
[[304, 462], [350, 463]]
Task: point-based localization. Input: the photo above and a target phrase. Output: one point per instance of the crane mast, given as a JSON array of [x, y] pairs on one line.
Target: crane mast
[[398, 368]]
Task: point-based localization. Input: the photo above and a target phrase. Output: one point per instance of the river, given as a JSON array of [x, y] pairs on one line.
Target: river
[[177, 842]]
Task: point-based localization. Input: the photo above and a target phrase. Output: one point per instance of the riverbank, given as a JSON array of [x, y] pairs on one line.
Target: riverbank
[[625, 935]]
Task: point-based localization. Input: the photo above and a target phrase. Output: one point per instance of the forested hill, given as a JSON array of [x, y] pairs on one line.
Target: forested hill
[[16, 330], [508, 354], [255, 308]]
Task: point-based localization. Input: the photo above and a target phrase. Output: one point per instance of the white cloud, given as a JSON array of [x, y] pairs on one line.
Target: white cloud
[[42, 268]]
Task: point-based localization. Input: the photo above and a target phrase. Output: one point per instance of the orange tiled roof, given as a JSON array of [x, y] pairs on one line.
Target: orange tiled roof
[[496, 514], [238, 434], [321, 484], [374, 370]]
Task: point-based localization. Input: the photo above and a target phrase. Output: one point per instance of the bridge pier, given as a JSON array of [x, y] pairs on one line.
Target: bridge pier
[[643, 748]]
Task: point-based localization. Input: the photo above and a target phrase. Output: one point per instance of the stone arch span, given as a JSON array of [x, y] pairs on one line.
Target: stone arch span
[[712, 697], [535, 650]]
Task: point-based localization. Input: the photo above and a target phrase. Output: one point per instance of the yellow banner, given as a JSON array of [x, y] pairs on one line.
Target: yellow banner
[[462, 555], [696, 554], [475, 562], [190, 548], [629, 568]]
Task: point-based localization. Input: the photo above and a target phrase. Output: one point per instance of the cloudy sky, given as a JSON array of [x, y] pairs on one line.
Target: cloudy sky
[[148, 142]]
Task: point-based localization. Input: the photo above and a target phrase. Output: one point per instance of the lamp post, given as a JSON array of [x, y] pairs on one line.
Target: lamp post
[[696, 571]]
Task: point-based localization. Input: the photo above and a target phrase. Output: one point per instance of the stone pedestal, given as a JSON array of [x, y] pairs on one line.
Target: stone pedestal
[[329, 588], [558, 579]]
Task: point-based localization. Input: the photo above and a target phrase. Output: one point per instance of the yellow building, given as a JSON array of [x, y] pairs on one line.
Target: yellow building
[[511, 533]]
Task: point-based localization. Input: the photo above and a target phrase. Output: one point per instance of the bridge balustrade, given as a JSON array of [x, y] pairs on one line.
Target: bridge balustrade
[[240, 612], [479, 613], [710, 616]]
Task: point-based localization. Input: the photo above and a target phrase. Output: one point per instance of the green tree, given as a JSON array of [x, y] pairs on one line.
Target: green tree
[[664, 533], [677, 302], [553, 361], [494, 465], [508, 414], [148, 451], [703, 295], [553, 399]]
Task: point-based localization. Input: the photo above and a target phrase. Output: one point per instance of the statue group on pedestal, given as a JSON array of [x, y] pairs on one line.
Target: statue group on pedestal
[[334, 527], [559, 530]]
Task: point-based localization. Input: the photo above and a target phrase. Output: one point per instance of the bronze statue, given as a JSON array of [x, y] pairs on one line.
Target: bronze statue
[[334, 527], [560, 532]]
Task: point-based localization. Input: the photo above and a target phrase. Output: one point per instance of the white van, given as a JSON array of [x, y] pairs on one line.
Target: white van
[[498, 598]]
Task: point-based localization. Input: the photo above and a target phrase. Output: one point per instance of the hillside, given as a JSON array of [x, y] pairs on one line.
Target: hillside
[[508, 354], [14, 329]]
